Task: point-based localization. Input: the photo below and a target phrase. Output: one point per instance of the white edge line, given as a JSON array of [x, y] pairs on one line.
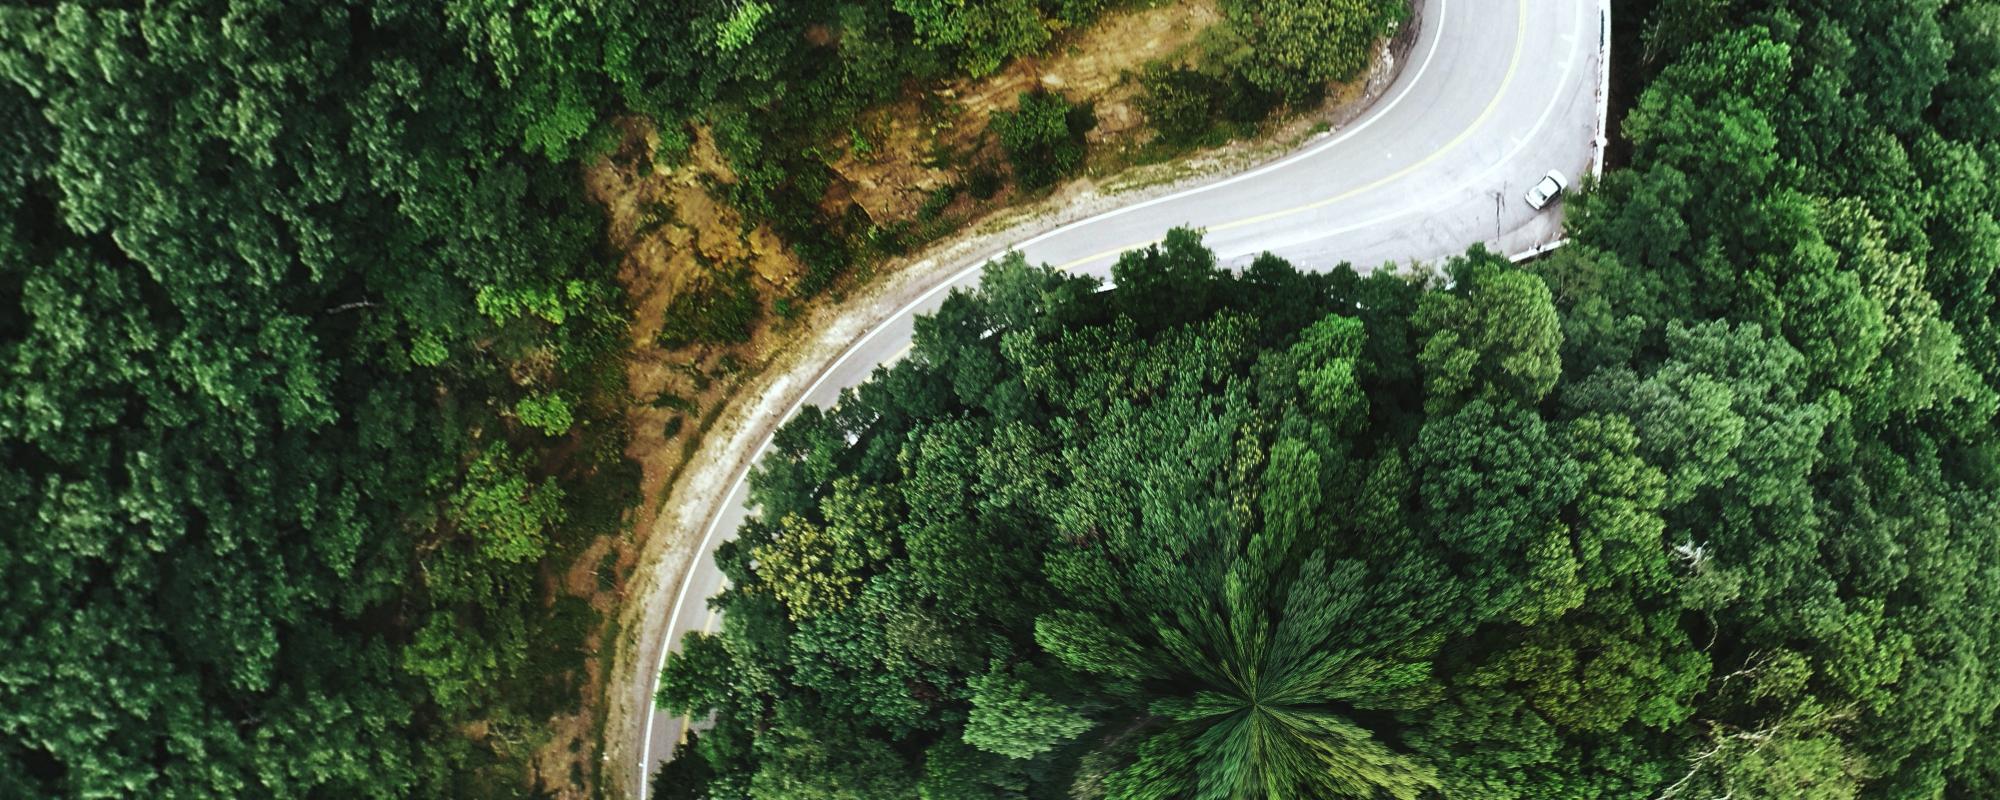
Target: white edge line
[[673, 619], [1541, 122]]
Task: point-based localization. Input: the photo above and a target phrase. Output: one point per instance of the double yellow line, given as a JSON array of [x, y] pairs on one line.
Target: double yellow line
[[1507, 81]]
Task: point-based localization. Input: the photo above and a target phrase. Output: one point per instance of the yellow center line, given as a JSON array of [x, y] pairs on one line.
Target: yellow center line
[[1513, 66], [687, 723]]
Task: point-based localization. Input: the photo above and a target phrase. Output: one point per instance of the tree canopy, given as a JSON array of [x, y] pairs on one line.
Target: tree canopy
[[292, 307], [1700, 506]]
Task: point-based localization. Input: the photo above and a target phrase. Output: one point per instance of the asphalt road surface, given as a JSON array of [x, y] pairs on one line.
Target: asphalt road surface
[[1493, 94]]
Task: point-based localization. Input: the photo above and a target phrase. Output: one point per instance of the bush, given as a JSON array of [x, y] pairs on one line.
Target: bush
[[935, 204], [549, 413], [1295, 49], [1043, 137], [1246, 103], [550, 679], [983, 182], [1180, 103], [712, 313], [1192, 108]]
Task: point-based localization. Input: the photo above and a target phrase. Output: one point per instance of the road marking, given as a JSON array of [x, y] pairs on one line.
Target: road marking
[[1506, 82], [687, 723], [1437, 40], [673, 618], [1541, 121]]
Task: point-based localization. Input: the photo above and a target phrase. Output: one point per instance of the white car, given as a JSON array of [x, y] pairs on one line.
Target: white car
[[1546, 189]]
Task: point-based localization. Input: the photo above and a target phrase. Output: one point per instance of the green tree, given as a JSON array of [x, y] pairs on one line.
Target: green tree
[[983, 34], [1297, 48], [1494, 336], [1043, 137], [1011, 718]]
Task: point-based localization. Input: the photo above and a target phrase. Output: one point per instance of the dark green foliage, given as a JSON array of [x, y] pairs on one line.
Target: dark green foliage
[[1180, 103], [1494, 337], [985, 34], [686, 777], [292, 301], [1188, 107], [1294, 49], [1706, 505], [712, 311], [1043, 137], [983, 182], [778, 83]]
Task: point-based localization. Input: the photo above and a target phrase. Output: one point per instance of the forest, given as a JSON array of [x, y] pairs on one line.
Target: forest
[[311, 352], [1707, 504]]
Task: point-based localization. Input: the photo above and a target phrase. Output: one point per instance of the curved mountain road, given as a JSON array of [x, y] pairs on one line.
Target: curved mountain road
[[1495, 93]]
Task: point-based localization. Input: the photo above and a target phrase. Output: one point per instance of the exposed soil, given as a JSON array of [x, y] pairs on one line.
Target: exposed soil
[[696, 413], [931, 140], [674, 233]]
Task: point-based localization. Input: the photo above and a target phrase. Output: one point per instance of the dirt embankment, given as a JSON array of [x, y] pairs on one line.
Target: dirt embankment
[[932, 140], [696, 412]]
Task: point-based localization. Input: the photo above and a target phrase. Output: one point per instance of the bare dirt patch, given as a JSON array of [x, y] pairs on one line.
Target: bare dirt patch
[[697, 413], [674, 234], [901, 154]]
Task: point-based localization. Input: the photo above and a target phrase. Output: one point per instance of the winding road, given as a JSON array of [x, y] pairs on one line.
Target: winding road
[[1494, 93]]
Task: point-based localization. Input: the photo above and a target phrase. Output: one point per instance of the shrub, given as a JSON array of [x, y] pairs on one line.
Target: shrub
[[1246, 103], [711, 312], [935, 204], [1180, 103], [983, 182], [1043, 137], [1295, 48], [549, 413], [669, 400], [1190, 107]]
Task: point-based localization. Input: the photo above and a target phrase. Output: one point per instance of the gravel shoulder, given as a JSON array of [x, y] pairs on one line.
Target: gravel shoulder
[[754, 412]]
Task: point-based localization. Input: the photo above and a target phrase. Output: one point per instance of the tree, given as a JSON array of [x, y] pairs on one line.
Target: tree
[[1493, 337], [1043, 137], [507, 516], [1297, 48], [1697, 506], [807, 569], [1012, 719], [698, 678], [984, 35], [1493, 488], [256, 432]]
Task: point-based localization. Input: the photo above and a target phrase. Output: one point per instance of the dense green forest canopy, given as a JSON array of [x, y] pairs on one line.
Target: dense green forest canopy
[[1706, 505], [288, 317], [310, 354]]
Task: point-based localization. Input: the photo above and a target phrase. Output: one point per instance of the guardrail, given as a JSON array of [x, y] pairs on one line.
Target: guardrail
[[1538, 251], [1603, 139]]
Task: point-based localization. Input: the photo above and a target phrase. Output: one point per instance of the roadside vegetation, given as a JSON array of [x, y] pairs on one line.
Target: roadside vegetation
[[1704, 505], [312, 386], [314, 412]]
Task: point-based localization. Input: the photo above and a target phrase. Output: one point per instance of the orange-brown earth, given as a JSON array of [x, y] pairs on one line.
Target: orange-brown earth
[[673, 233]]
